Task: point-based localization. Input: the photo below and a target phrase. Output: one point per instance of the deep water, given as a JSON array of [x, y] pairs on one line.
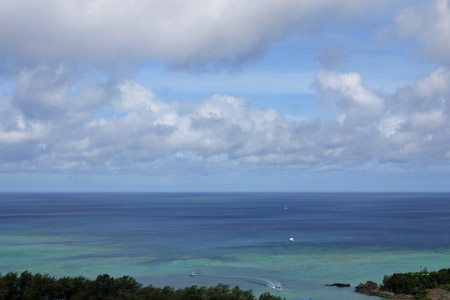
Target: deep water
[[237, 239]]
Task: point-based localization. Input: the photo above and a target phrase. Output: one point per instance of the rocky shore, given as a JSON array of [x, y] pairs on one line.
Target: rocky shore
[[370, 288]]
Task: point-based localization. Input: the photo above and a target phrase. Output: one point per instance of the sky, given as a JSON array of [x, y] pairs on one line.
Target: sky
[[225, 96]]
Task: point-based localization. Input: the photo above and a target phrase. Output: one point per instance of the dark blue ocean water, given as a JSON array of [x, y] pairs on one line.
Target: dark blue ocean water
[[233, 238]]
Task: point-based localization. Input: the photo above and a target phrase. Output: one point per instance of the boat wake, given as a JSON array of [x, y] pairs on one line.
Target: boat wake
[[261, 281], [266, 282]]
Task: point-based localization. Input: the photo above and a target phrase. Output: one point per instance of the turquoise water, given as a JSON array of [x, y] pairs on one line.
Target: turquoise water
[[237, 239]]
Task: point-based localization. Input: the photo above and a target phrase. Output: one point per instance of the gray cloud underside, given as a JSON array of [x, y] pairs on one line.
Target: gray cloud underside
[[181, 33], [138, 131]]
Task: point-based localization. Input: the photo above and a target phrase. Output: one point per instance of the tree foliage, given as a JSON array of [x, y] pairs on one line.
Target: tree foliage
[[27, 286], [416, 282]]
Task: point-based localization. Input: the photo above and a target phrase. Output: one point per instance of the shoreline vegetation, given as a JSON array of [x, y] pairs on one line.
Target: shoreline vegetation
[[27, 286], [422, 285]]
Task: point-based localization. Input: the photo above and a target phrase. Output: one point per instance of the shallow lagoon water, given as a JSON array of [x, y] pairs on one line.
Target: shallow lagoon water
[[236, 239]]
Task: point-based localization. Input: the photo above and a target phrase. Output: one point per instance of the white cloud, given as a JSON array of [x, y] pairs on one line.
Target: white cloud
[[145, 133], [178, 32], [345, 94], [430, 92], [429, 24], [58, 116], [43, 92], [390, 125], [434, 85], [349, 85]]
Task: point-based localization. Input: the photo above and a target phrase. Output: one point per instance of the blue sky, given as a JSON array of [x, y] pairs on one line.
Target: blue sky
[[350, 95]]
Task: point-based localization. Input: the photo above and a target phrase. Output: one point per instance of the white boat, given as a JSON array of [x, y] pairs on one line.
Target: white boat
[[278, 287], [291, 239], [193, 274]]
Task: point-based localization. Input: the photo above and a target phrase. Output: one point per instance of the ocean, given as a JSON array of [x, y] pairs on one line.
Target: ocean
[[232, 238]]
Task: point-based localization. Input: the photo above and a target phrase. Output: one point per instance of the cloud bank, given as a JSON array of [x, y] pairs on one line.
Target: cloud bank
[[68, 111], [137, 131]]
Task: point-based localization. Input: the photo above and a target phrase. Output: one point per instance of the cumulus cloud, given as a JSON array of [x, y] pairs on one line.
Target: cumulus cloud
[[55, 92], [20, 137], [143, 133], [429, 24], [179, 32], [349, 87], [61, 117]]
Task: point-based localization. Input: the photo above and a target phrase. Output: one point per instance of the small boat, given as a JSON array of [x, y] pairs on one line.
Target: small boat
[[193, 274], [291, 239], [285, 207], [278, 287]]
